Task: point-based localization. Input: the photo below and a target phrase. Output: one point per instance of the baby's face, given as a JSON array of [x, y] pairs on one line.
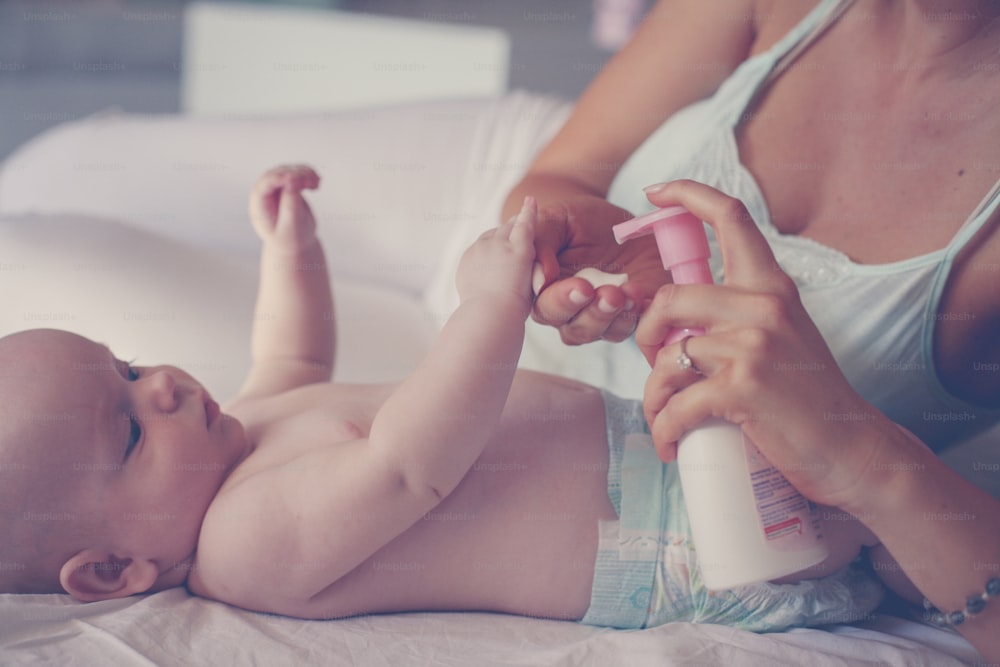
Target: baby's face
[[153, 443]]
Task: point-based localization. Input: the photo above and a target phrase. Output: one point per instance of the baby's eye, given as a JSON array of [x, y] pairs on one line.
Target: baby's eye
[[135, 433], [127, 371]]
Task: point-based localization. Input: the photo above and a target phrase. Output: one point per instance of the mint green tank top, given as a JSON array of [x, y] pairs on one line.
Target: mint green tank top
[[878, 319]]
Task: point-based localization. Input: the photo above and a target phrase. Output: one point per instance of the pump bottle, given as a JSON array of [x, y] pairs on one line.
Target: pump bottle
[[748, 523]]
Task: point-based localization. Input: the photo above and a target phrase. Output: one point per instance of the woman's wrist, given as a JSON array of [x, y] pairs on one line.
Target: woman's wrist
[[904, 482], [546, 186], [942, 530]]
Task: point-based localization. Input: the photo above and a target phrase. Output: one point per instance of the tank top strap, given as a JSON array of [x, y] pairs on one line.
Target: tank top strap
[[785, 51], [977, 219], [969, 229], [980, 215], [822, 17]]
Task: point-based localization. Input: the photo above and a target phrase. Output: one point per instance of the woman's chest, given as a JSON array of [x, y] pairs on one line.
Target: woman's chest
[[883, 179], [878, 187], [877, 157]]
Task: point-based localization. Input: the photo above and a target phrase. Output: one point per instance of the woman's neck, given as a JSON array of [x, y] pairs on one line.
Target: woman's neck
[[934, 34]]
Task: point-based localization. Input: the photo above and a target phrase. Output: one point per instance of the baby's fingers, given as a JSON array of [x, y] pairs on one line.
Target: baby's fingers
[[301, 177], [521, 224], [264, 195], [267, 191], [528, 213], [292, 208]]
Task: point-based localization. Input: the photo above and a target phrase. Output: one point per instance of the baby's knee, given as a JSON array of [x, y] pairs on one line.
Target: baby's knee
[[844, 537], [892, 574]]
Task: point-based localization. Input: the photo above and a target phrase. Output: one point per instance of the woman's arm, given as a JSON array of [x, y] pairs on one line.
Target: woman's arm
[[681, 53], [766, 367], [942, 531]]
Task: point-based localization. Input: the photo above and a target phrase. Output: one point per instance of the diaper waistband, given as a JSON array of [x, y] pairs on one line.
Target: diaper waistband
[[629, 547]]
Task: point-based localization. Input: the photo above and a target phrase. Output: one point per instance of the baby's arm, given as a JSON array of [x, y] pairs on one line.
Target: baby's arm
[[319, 515], [292, 341], [436, 423]]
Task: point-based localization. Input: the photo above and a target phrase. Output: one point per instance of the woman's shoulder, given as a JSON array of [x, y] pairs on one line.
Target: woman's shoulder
[[773, 19]]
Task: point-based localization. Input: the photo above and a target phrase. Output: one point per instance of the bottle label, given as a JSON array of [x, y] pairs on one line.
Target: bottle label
[[788, 520]]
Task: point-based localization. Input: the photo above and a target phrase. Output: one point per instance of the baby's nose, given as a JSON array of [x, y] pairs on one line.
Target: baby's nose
[[164, 391]]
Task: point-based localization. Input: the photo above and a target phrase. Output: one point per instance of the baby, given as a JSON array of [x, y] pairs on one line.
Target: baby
[[470, 485]]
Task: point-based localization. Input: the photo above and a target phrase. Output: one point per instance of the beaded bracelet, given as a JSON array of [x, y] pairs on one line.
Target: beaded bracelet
[[974, 605]]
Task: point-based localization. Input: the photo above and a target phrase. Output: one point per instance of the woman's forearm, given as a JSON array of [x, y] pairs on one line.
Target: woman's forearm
[[544, 187], [621, 107], [943, 531]]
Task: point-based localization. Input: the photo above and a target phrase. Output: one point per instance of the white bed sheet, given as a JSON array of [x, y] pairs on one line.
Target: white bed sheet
[[404, 190], [173, 628]]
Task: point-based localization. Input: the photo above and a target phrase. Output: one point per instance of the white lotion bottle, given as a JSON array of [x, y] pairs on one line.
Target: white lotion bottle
[[748, 523]]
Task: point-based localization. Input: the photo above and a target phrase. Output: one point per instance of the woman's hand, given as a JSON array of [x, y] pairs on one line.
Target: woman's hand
[[761, 363], [573, 233]]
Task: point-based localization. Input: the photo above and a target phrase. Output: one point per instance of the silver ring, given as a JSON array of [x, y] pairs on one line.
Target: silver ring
[[684, 360]]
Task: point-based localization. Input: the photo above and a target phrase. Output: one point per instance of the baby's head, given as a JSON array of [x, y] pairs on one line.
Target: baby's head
[[106, 469]]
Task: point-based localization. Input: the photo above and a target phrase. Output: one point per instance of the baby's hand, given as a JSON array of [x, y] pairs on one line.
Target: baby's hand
[[499, 263], [279, 213]]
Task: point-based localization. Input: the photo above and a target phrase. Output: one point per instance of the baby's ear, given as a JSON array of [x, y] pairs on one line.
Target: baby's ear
[[92, 575]]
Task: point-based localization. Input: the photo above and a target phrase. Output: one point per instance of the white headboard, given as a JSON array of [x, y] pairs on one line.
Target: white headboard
[[250, 59]]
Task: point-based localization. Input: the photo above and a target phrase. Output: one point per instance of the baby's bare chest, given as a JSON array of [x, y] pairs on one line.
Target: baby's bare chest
[[287, 426]]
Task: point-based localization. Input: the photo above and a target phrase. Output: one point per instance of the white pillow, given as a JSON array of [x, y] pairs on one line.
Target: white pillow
[[397, 181], [161, 301]]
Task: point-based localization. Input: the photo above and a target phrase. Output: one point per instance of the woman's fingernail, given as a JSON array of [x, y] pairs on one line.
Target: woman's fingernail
[[578, 298], [605, 306], [630, 304], [654, 188]]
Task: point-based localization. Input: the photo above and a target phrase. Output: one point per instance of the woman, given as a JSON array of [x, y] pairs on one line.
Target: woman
[[855, 134]]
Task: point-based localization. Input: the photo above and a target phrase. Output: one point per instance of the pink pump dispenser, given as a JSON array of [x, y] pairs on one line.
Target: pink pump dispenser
[[680, 238], [748, 523]]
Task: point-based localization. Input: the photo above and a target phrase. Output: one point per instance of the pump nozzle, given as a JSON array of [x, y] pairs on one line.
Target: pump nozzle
[[680, 238]]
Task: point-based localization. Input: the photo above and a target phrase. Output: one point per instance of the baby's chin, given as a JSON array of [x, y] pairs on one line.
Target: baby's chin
[[233, 428]]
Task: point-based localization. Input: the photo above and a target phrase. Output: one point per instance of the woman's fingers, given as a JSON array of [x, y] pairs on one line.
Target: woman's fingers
[[606, 316], [584, 314], [522, 226], [562, 301], [575, 233], [665, 380], [711, 308]]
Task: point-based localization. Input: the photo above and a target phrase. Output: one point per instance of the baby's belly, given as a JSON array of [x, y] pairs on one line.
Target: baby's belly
[[518, 535]]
